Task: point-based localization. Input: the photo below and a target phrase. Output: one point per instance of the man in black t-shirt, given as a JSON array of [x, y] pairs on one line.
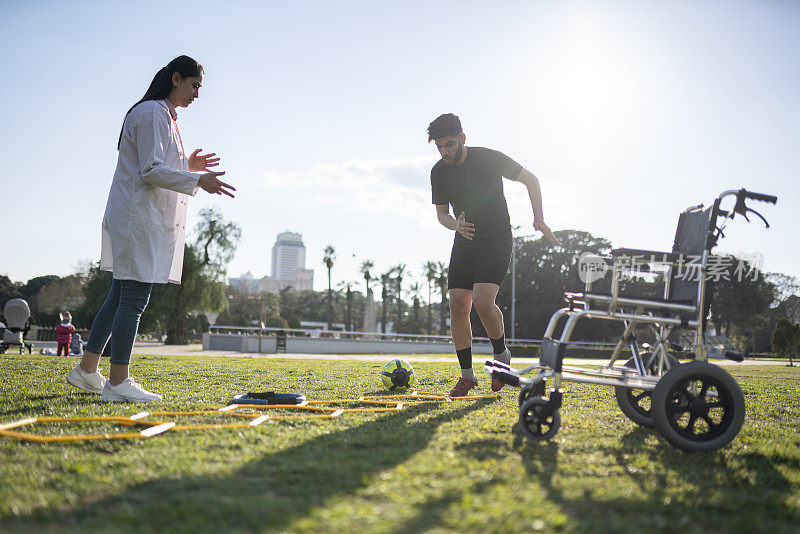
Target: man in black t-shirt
[[470, 180]]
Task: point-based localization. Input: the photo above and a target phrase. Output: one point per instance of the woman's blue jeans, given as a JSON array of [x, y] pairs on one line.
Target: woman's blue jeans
[[118, 319]]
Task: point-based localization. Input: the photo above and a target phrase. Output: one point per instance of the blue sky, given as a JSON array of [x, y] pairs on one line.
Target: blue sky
[[628, 112]]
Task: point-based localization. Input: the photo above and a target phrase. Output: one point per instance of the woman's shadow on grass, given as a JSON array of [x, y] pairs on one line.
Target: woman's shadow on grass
[[274, 491]]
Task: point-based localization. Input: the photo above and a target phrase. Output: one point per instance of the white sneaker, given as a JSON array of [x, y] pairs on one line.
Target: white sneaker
[[91, 382], [127, 391]]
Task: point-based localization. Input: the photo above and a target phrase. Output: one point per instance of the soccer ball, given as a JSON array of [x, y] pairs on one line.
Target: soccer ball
[[398, 375]]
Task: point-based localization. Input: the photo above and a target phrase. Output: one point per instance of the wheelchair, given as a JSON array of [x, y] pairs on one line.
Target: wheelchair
[[696, 406]]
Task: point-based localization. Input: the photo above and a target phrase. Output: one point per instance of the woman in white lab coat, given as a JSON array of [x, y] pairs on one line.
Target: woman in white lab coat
[[144, 225]]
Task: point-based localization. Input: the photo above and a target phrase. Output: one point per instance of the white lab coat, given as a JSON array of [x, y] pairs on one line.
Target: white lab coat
[[144, 226]]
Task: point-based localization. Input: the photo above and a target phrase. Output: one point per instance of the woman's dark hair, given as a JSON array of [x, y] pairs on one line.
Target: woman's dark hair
[[444, 125], [162, 82]]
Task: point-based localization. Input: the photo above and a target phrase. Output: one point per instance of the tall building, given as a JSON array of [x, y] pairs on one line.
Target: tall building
[[288, 255], [288, 269]]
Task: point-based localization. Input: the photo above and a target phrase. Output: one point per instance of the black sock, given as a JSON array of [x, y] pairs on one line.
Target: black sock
[[465, 358], [499, 345]]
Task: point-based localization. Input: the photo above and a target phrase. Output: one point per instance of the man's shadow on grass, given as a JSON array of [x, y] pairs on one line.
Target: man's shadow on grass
[[274, 491]]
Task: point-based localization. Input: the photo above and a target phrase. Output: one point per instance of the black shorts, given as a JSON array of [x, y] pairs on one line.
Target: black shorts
[[476, 263]]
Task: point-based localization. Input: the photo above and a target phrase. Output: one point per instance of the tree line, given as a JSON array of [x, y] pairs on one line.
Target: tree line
[[745, 309], [174, 311], [414, 300]]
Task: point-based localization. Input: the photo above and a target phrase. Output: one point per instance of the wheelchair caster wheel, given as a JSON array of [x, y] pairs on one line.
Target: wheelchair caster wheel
[[533, 425], [636, 404], [698, 406], [536, 391]]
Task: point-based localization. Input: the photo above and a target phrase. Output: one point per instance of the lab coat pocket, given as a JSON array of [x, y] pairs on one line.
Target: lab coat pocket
[[150, 206]]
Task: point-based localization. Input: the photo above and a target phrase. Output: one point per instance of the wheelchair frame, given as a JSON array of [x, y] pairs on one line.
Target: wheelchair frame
[[681, 396]]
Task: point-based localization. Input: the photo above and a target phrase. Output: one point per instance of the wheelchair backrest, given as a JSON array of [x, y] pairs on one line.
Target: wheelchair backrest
[[691, 240]]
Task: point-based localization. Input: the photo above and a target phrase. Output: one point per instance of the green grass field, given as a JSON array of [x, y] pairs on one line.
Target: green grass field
[[455, 467]]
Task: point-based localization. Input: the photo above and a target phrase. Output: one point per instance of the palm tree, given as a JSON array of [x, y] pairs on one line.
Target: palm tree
[[366, 265], [330, 255], [441, 279], [415, 289], [430, 274], [386, 280], [349, 296], [347, 289], [399, 270]]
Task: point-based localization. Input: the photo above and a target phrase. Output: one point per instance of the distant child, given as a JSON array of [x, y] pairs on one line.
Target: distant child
[[76, 346], [64, 331]]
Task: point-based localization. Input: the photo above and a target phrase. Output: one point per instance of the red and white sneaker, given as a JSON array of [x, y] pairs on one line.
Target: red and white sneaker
[[504, 357], [462, 387]]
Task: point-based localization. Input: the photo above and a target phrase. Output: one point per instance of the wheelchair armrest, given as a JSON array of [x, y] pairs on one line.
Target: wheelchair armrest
[[645, 256]]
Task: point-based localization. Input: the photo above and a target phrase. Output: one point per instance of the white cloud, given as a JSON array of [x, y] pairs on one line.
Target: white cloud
[[399, 188]]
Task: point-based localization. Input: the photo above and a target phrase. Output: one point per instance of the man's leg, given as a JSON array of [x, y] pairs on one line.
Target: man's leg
[[460, 306], [461, 329], [484, 295], [492, 319]]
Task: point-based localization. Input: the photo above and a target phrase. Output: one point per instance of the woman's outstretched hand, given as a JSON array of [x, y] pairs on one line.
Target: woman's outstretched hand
[[202, 162], [210, 183]]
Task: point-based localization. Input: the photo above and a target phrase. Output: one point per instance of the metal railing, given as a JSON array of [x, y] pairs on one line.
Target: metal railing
[[372, 336]]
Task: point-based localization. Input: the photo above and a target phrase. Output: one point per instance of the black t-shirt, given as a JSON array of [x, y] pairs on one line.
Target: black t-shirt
[[476, 188]]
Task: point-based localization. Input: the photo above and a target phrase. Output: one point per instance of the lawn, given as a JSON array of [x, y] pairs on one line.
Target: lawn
[[444, 467]]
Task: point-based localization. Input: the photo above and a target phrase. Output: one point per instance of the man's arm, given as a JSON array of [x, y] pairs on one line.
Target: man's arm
[[535, 193], [460, 225]]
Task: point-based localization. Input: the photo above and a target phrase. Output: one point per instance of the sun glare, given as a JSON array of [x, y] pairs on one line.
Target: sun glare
[[593, 87]]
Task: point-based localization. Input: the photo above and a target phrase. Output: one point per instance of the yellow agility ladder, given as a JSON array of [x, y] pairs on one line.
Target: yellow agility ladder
[[309, 410]]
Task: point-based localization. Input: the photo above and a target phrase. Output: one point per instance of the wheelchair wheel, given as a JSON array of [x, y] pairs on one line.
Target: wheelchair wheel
[[698, 406], [533, 425], [636, 404], [536, 391]]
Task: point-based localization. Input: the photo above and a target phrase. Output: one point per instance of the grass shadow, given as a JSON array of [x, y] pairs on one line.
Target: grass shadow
[[539, 458], [654, 468], [272, 492], [33, 409]]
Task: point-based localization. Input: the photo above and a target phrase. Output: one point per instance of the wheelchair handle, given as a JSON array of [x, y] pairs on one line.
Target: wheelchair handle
[[758, 196], [742, 209]]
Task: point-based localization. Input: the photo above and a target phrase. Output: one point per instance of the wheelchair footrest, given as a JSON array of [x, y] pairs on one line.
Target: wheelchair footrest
[[503, 372]]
